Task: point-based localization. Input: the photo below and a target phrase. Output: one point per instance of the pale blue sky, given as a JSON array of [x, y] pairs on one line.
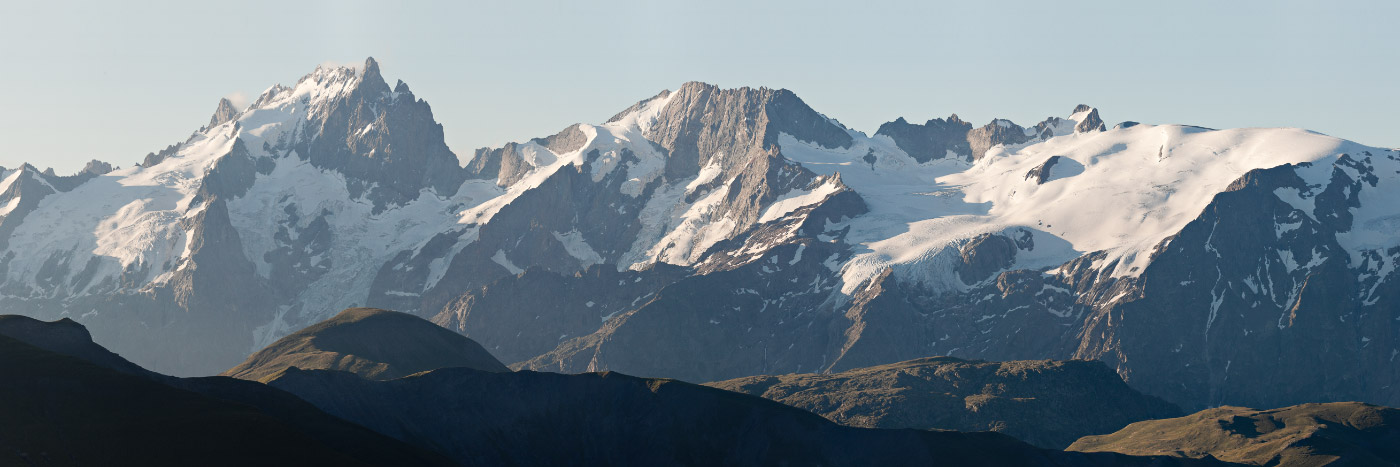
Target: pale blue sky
[[113, 81]]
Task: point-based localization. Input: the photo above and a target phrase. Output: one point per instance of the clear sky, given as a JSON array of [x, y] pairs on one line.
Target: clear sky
[[115, 80]]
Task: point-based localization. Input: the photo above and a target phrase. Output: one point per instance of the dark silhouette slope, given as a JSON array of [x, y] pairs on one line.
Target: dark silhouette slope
[[131, 401], [60, 410], [529, 418]]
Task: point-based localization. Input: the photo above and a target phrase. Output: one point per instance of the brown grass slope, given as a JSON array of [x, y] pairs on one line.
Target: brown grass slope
[[1046, 403], [1333, 434], [373, 343]]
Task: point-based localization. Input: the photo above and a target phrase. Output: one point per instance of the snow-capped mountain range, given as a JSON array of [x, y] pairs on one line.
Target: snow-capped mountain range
[[707, 234]]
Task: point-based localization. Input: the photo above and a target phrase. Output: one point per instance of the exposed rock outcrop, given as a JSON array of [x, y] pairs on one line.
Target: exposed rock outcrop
[[935, 139], [223, 114], [385, 143], [998, 132], [1088, 119]]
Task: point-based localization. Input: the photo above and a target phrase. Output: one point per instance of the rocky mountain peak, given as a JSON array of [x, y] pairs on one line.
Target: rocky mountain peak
[[935, 139], [999, 131], [223, 113], [370, 79], [96, 167], [954, 137], [700, 121], [387, 147], [1087, 118]]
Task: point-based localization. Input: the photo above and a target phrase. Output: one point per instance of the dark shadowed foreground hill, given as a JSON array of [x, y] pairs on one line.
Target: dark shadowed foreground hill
[[529, 418], [66, 396], [66, 337], [58, 410], [1046, 403], [374, 343], [1336, 434]]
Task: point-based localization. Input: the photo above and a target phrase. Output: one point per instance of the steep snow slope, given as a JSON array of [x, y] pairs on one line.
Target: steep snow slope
[[123, 221]]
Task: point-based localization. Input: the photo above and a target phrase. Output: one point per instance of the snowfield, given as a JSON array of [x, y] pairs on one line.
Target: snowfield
[[1132, 188]]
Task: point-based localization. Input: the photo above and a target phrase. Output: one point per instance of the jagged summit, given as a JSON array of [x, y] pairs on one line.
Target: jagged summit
[[224, 113], [1087, 119], [954, 138], [761, 113], [370, 77], [96, 167]]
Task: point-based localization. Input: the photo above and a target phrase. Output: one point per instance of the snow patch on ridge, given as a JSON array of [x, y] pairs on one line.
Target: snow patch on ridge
[[500, 258], [795, 199], [578, 247]]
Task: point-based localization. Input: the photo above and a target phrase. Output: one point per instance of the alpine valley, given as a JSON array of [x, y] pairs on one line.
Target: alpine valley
[[707, 234]]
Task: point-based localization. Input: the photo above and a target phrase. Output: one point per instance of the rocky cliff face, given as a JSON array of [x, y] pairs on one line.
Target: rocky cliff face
[[954, 138], [383, 141], [935, 139], [1255, 271]]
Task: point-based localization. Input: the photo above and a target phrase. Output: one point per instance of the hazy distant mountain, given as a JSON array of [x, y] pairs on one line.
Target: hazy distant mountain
[[1337, 434], [376, 344], [708, 234], [1047, 403]]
